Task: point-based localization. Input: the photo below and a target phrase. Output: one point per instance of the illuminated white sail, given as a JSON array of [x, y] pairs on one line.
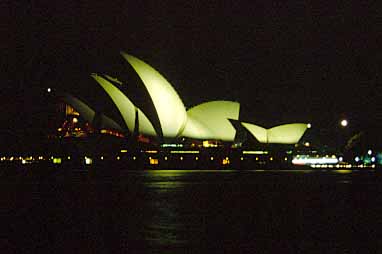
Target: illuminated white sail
[[214, 115], [168, 105]]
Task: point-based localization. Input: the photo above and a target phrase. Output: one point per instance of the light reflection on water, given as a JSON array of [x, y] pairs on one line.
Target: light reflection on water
[[201, 210], [188, 207]]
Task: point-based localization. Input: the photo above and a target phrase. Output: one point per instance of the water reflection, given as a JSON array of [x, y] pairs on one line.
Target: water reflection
[[177, 210]]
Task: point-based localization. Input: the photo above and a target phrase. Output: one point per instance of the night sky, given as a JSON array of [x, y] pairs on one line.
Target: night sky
[[284, 62]]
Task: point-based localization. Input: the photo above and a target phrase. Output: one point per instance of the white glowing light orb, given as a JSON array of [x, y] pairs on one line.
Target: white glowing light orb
[[88, 160], [49, 89], [344, 123], [75, 120], [309, 125]]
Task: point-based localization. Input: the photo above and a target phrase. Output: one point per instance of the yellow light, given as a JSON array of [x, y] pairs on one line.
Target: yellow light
[[75, 120], [309, 125], [165, 158], [118, 158], [154, 161], [225, 161], [134, 158], [68, 157], [344, 171], [196, 158], [57, 160], [181, 158], [255, 152], [212, 158], [151, 151], [271, 158], [123, 151], [257, 158], [23, 161], [285, 159], [101, 158], [241, 158]]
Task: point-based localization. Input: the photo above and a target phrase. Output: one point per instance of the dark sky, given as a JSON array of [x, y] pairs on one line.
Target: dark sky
[[284, 62]]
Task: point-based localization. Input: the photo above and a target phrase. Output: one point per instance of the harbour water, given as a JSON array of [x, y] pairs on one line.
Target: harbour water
[[192, 211]]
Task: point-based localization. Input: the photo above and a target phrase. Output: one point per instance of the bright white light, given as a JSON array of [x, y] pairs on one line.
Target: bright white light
[[75, 120], [88, 161], [372, 159], [356, 159], [309, 125], [344, 123], [369, 152], [322, 160], [49, 90], [340, 159]]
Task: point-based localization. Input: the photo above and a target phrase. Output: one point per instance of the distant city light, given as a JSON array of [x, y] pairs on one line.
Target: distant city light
[[75, 120], [88, 160], [49, 89], [255, 152], [182, 151], [309, 125], [344, 123], [369, 152], [372, 159], [356, 159], [308, 160], [57, 160]]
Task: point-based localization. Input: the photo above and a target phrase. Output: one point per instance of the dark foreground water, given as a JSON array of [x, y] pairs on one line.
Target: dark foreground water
[[192, 212]]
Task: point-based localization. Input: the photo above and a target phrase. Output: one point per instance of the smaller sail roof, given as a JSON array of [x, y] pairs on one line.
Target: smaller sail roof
[[214, 115], [282, 134]]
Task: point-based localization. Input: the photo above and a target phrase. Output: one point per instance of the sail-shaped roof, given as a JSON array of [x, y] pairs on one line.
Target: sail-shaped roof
[[168, 105]]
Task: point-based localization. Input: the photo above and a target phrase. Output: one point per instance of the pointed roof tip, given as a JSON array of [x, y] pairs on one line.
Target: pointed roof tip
[[125, 54]]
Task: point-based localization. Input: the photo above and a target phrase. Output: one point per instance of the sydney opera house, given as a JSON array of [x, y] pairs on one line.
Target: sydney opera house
[[163, 117]]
